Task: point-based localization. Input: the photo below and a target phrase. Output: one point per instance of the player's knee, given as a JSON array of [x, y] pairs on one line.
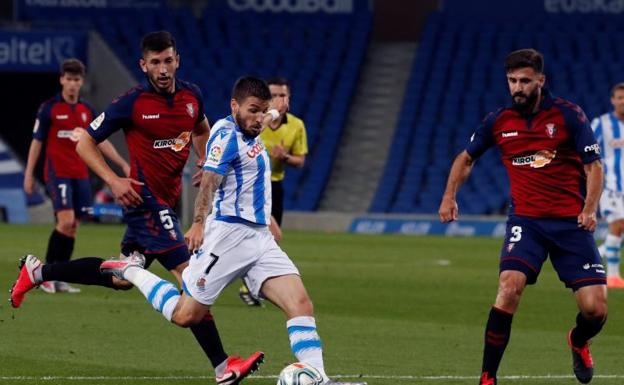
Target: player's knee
[[302, 305], [596, 312], [509, 294], [67, 228]]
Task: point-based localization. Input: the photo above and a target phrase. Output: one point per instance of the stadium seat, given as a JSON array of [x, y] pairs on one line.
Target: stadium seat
[[457, 78]]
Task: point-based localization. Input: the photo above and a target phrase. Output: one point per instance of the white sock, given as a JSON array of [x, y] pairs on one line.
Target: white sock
[[161, 294], [305, 342], [220, 368], [612, 254]]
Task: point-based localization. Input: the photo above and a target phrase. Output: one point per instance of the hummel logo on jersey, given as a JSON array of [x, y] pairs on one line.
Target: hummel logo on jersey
[[538, 160], [509, 134], [62, 117], [150, 116], [176, 144]]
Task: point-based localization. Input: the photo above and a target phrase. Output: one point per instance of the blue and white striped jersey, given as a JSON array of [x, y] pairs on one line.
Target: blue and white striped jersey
[[609, 132], [245, 192]]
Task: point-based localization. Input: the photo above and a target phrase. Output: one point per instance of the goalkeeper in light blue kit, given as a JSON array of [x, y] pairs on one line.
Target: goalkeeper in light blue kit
[[230, 234]]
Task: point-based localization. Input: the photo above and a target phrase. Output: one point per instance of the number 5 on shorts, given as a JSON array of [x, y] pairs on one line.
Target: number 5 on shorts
[[215, 258], [165, 219]]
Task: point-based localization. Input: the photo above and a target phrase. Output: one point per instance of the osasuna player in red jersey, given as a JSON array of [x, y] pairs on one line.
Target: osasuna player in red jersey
[[160, 119], [554, 167], [60, 122]]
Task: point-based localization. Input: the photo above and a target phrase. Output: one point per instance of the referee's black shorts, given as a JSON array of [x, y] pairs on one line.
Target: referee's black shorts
[[277, 210]]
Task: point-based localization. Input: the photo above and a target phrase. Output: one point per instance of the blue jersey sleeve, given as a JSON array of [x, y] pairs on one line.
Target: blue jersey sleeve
[[221, 151], [482, 139], [583, 137], [118, 115], [43, 121]]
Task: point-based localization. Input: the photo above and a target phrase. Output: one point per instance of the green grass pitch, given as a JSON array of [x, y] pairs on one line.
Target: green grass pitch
[[397, 310]]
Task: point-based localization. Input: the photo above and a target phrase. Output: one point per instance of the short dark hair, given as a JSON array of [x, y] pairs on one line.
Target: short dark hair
[[524, 58], [157, 41], [74, 67], [279, 81], [617, 87], [247, 86]]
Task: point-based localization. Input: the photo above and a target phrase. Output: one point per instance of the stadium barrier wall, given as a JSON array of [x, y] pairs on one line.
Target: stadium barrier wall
[[467, 226]]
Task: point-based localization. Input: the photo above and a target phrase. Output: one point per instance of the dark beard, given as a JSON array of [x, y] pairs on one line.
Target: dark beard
[[243, 127], [525, 107]]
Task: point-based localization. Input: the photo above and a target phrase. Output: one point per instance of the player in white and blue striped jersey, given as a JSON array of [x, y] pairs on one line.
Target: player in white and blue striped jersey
[[230, 234], [609, 131]]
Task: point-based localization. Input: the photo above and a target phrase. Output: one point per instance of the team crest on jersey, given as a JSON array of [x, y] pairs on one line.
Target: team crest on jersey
[[551, 130], [84, 117], [176, 144], [510, 247], [190, 109], [201, 284], [537, 160], [173, 235]]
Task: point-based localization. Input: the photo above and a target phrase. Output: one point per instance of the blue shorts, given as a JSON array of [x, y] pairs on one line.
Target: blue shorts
[[154, 230], [71, 194], [572, 250]]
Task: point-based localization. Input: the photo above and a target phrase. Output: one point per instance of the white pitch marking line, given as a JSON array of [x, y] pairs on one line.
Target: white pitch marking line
[[355, 376]]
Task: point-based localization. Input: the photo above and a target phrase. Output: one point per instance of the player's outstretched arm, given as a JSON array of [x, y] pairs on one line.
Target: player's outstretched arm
[[121, 187], [109, 151], [33, 155], [594, 174], [462, 165], [210, 181]]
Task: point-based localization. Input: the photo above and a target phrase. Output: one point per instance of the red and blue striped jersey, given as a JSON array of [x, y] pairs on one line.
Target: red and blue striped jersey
[[55, 125], [158, 131], [543, 153]]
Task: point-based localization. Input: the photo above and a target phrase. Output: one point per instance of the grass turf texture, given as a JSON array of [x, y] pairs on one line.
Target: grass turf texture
[[385, 306]]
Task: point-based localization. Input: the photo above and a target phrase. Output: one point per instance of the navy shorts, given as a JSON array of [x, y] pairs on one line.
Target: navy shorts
[[71, 194], [572, 250], [154, 230]]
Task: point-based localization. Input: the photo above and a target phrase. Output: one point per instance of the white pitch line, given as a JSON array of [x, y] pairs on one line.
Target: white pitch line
[[354, 376]]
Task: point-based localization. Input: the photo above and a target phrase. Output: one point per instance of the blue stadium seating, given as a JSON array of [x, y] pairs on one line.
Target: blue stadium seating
[[321, 55], [458, 77]]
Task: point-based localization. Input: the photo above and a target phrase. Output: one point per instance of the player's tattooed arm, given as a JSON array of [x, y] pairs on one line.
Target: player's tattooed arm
[[210, 181], [203, 203]]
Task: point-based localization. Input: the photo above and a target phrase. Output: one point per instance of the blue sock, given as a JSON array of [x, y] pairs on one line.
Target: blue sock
[[306, 343], [161, 294]]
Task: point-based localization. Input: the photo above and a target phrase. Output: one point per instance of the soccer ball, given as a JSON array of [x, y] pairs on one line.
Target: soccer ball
[[300, 374]]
